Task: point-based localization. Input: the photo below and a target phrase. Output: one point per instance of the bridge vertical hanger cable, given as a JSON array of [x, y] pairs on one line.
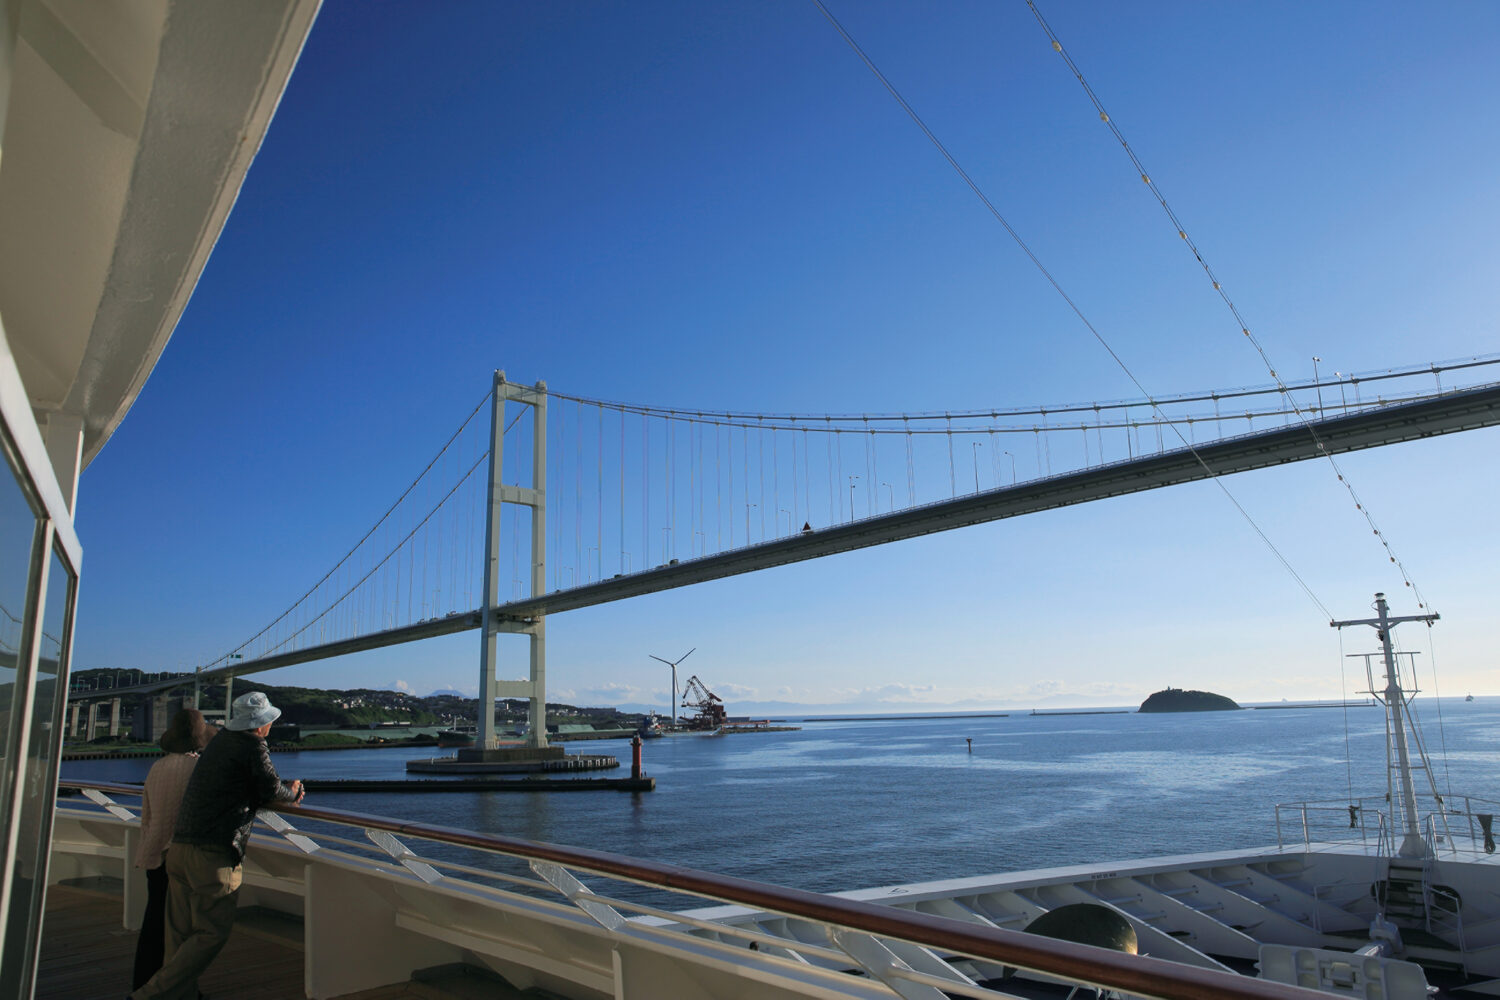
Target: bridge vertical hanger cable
[[622, 491], [729, 471], [744, 459], [776, 478], [718, 493], [645, 492], [807, 483], [760, 460], [838, 447], [1057, 287], [796, 480], [673, 463], [952, 473], [1244, 326], [832, 489], [701, 526], [422, 606], [578, 554], [599, 494], [469, 553]]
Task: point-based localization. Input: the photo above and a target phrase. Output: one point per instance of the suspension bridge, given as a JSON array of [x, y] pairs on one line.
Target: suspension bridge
[[542, 502]]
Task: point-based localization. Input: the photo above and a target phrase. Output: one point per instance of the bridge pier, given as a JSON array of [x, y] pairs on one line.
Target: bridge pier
[[93, 724], [77, 710], [153, 714], [114, 718]]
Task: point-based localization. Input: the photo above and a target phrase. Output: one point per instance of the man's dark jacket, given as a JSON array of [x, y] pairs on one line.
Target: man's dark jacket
[[234, 777]]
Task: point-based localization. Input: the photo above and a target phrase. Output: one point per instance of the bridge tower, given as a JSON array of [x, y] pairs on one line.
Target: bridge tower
[[534, 688]]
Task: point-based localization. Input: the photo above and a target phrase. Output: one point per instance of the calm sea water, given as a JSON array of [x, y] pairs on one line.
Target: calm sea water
[[853, 804]]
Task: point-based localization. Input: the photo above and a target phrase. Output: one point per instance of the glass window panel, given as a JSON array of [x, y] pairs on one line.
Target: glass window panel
[[39, 788], [17, 535]]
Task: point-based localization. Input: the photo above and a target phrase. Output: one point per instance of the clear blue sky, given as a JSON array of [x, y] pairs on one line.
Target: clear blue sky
[[719, 206]]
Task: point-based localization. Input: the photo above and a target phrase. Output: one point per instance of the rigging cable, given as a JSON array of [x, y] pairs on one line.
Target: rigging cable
[[1344, 698], [1244, 326], [1057, 286], [1437, 698]]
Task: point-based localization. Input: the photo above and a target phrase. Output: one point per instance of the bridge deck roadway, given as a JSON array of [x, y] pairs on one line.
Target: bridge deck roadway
[[1464, 410]]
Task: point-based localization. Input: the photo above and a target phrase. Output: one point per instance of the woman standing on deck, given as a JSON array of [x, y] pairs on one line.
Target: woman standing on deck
[[165, 783]]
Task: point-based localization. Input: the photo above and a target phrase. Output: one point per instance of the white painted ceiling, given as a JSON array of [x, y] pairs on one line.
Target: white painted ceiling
[[129, 128]]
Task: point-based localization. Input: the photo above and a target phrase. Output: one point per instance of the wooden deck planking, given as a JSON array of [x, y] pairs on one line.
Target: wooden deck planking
[[87, 955]]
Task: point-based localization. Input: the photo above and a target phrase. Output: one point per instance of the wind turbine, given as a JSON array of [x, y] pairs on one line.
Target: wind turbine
[[673, 665]]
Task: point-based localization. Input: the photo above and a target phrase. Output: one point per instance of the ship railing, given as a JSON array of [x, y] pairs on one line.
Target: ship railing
[[1329, 822], [1459, 824], [802, 943], [1464, 823]]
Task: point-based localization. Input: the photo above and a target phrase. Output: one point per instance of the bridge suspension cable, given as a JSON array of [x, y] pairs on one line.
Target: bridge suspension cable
[[396, 535]]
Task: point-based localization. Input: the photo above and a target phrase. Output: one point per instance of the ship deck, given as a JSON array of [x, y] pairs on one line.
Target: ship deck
[[87, 954]]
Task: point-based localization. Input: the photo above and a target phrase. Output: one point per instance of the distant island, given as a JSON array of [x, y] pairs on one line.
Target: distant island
[[1178, 700]]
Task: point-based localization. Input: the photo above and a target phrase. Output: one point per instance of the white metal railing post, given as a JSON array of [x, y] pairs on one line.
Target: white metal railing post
[[877, 959], [278, 823], [578, 894], [409, 860]]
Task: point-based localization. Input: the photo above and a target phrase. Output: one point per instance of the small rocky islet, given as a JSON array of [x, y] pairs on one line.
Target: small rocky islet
[[1179, 700]]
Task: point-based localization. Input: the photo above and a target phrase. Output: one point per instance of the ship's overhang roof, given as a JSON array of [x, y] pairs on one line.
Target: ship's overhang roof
[[128, 131]]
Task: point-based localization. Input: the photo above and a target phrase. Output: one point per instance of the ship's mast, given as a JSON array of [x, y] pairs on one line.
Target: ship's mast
[[1412, 844]]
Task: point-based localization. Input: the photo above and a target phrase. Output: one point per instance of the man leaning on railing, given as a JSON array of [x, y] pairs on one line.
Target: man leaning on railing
[[233, 779]]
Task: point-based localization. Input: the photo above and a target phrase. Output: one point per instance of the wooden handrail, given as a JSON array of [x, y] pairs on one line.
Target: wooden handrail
[[1141, 975]]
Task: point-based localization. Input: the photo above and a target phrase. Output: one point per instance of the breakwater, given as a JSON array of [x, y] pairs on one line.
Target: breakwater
[[1088, 711], [906, 718], [470, 785]]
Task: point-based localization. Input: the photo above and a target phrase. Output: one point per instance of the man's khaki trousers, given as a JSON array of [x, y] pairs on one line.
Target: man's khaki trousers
[[203, 885]]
